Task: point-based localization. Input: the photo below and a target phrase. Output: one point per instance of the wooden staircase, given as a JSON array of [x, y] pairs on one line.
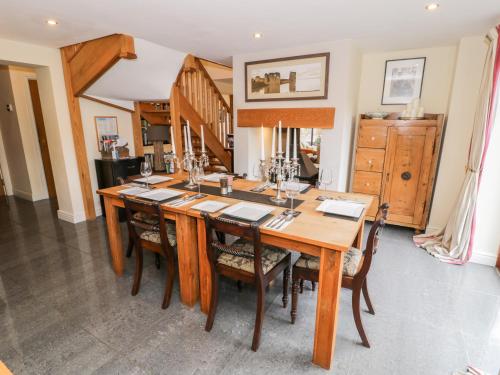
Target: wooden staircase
[[195, 98]]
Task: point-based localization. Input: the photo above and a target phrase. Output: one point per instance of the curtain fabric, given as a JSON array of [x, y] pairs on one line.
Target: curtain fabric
[[453, 244]]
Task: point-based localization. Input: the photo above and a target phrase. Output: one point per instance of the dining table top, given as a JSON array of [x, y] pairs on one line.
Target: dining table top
[[310, 227]]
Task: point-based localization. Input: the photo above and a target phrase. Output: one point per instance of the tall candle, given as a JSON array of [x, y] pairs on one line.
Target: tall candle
[[280, 149], [202, 140], [287, 144], [190, 144], [262, 156], [273, 146], [172, 142], [295, 143], [186, 149]]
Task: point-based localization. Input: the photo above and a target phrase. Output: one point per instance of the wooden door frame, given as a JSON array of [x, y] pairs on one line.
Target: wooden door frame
[[42, 137]]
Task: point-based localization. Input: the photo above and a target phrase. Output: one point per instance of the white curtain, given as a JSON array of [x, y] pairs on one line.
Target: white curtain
[[453, 244]]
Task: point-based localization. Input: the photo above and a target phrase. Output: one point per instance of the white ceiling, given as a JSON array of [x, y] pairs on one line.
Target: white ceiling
[[219, 29]]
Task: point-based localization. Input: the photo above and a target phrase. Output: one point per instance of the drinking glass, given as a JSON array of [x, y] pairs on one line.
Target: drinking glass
[[292, 189], [146, 171], [325, 177], [199, 175]]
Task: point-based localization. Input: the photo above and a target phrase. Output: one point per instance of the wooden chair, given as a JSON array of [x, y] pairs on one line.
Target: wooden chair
[[355, 269], [246, 260], [159, 238], [148, 219]]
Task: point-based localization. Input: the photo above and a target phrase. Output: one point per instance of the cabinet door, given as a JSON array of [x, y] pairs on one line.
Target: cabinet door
[[407, 172]]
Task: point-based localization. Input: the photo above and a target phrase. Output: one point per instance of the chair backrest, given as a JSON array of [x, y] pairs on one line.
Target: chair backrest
[[249, 232], [135, 205], [373, 239]]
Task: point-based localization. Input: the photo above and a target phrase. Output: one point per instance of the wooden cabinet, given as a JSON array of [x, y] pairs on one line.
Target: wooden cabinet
[[396, 162]]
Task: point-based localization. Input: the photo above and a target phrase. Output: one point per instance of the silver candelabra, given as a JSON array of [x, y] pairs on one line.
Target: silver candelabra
[[279, 169], [190, 162]]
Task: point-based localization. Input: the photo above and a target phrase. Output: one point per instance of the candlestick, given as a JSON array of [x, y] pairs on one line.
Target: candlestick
[[262, 155], [273, 147], [295, 143], [287, 144], [172, 142], [202, 140], [280, 149]]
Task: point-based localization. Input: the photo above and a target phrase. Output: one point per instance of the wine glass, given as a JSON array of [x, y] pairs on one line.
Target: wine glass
[[199, 175], [325, 177], [292, 189], [146, 171]]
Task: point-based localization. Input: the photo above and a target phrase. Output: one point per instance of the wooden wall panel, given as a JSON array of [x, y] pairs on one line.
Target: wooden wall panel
[[290, 117]]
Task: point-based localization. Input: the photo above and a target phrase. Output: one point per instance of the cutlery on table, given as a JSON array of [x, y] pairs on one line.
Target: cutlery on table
[[287, 218], [175, 201], [275, 220]]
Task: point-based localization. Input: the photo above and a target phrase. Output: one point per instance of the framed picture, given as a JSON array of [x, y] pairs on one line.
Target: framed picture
[[105, 126], [288, 78], [403, 80]]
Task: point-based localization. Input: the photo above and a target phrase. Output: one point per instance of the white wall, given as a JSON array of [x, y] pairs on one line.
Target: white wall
[[89, 110], [463, 99], [19, 77], [47, 64], [342, 93], [438, 77]]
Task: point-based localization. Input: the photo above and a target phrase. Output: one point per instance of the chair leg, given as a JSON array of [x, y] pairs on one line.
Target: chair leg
[[356, 296], [259, 317], [367, 298], [157, 260], [213, 302], [313, 285], [239, 284], [295, 297], [138, 269], [130, 246], [301, 286], [169, 283], [286, 277]]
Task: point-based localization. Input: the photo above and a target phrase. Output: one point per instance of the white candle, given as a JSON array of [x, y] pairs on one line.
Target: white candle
[[287, 144], [262, 156], [185, 139], [280, 149], [202, 140], [172, 142], [295, 143], [273, 146], [190, 144]]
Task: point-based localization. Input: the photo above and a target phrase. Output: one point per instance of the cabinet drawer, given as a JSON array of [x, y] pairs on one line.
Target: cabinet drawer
[[372, 136], [367, 182], [372, 210], [370, 159]]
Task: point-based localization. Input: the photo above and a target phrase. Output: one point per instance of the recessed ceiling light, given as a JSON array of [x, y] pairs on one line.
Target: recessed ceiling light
[[432, 6], [52, 22], [257, 35]]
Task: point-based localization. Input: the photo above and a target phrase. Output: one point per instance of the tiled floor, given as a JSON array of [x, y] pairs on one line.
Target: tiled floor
[[63, 311]]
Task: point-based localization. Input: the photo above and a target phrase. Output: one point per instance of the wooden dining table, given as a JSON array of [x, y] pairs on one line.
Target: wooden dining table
[[312, 232]]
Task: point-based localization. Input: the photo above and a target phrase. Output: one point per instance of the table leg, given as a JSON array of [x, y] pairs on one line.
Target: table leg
[[188, 258], [358, 242], [205, 279], [330, 281], [114, 235]]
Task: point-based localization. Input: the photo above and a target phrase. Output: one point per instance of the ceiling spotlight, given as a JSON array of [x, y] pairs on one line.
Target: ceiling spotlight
[[432, 6], [52, 22], [257, 35]]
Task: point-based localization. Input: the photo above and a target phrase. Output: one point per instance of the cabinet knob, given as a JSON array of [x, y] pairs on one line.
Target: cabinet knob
[[367, 184], [372, 138], [406, 175], [370, 162]]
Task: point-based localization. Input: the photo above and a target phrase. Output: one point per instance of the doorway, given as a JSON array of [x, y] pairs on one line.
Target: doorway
[[42, 138]]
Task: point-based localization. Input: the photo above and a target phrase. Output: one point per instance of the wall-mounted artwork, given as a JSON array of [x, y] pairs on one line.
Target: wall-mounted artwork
[[106, 128], [403, 80], [289, 78]]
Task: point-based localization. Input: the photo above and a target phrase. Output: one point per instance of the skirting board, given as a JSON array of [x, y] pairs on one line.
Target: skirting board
[[69, 217], [483, 258], [23, 195]]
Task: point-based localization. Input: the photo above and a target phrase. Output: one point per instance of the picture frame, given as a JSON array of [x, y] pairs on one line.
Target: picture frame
[[302, 77], [107, 126], [403, 80]]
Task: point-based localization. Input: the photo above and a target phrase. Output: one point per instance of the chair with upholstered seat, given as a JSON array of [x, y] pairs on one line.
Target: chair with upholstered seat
[[354, 271], [159, 238], [246, 260]]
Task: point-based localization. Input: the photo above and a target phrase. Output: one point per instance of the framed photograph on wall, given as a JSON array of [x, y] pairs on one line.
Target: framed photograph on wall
[[288, 78], [403, 80], [107, 127]]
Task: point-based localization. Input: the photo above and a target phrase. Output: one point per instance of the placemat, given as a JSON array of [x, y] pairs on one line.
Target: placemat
[[260, 221], [239, 194]]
